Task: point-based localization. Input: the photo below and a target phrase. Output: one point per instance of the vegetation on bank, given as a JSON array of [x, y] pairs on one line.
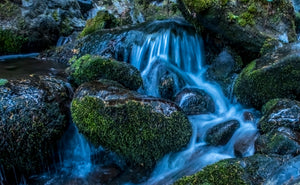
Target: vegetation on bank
[[11, 42]]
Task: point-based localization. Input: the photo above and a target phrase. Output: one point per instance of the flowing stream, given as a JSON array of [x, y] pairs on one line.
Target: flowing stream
[[181, 53]]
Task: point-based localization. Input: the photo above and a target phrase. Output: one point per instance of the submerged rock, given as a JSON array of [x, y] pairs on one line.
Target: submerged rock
[[139, 128], [275, 75], [221, 133], [195, 101], [89, 68], [250, 26], [33, 117], [280, 128]]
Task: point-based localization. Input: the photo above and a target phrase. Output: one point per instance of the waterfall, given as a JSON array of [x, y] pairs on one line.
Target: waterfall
[[180, 53]]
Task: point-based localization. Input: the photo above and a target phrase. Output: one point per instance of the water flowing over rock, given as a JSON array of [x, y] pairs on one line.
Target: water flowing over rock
[[139, 128], [195, 101], [33, 117], [275, 75], [221, 133], [249, 25]]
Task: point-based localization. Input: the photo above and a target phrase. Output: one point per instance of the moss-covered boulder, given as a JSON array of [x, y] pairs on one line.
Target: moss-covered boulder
[[275, 75], [33, 118], [221, 173], [248, 25], [254, 170], [279, 128], [103, 20], [88, 68], [139, 128]]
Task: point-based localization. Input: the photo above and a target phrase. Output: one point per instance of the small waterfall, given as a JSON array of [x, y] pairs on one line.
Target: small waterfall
[[74, 159], [296, 4], [63, 40], [180, 53]]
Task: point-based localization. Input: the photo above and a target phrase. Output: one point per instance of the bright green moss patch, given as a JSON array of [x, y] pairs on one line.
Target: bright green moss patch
[[269, 105], [102, 20], [131, 129], [277, 79], [221, 173], [3, 81], [199, 5], [10, 42], [89, 68]]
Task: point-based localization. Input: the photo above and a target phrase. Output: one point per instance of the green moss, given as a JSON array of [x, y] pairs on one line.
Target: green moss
[[3, 81], [131, 129], [246, 18], [199, 5], [89, 68], [269, 105], [221, 173], [11, 42], [103, 20], [8, 10], [275, 80], [55, 15], [269, 45]]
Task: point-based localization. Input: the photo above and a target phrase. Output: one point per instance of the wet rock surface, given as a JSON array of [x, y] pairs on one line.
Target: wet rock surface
[[221, 133], [33, 117], [195, 101], [279, 128]]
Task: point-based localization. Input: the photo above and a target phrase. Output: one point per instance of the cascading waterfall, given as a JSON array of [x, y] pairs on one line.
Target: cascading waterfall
[[181, 53]]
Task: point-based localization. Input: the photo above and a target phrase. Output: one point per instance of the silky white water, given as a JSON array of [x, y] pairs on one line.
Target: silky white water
[[181, 53]]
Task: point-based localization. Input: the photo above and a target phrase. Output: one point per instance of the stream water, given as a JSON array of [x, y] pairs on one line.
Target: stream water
[[180, 53]]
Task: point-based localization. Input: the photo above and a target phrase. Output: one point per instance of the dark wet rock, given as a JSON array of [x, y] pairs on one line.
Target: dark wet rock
[[223, 69], [89, 68], [195, 101], [275, 75], [279, 128], [114, 43], [33, 117], [141, 129], [250, 26], [242, 146], [287, 173], [221, 133], [85, 6], [167, 87]]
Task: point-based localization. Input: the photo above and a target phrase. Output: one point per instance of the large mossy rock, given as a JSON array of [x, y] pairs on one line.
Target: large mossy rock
[[254, 170], [248, 25], [139, 128], [33, 117], [275, 75], [88, 68], [221, 173], [279, 128]]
